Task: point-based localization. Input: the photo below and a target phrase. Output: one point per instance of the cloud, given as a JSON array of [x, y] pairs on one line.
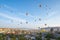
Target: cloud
[[10, 17], [53, 19], [15, 24], [8, 7]]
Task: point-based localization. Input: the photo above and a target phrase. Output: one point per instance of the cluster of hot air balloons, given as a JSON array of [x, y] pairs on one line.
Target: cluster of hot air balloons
[[40, 5], [28, 14]]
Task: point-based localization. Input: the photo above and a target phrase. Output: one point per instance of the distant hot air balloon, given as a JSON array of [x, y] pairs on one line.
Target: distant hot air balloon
[[26, 14], [26, 22], [11, 20], [49, 8], [40, 5], [11, 11], [47, 13], [35, 20], [46, 5], [0, 6], [39, 19], [20, 22], [45, 24], [38, 27]]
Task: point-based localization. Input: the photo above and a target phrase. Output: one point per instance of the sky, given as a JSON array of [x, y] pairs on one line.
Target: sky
[[29, 14]]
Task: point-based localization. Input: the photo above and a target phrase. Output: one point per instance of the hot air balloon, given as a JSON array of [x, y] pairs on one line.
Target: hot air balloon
[[26, 14], [35, 20], [38, 27], [11, 11], [47, 13], [46, 5], [39, 19], [0, 6], [20, 22], [40, 5], [49, 8], [26, 22], [11, 20], [45, 24]]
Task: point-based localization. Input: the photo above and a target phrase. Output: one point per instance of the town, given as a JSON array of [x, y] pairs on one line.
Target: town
[[49, 33]]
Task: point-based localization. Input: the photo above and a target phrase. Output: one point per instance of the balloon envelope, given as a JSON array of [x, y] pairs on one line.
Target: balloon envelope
[[0, 6], [45, 24], [35, 20], [20, 22], [26, 22], [26, 14], [40, 5], [39, 19], [11, 20]]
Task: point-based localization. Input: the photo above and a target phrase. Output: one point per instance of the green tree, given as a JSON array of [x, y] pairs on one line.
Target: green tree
[[58, 38], [39, 37]]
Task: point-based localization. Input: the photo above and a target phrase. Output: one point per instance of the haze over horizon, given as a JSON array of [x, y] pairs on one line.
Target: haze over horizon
[[29, 14]]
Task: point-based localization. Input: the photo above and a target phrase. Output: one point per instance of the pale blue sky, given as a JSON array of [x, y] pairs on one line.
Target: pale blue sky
[[13, 12]]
